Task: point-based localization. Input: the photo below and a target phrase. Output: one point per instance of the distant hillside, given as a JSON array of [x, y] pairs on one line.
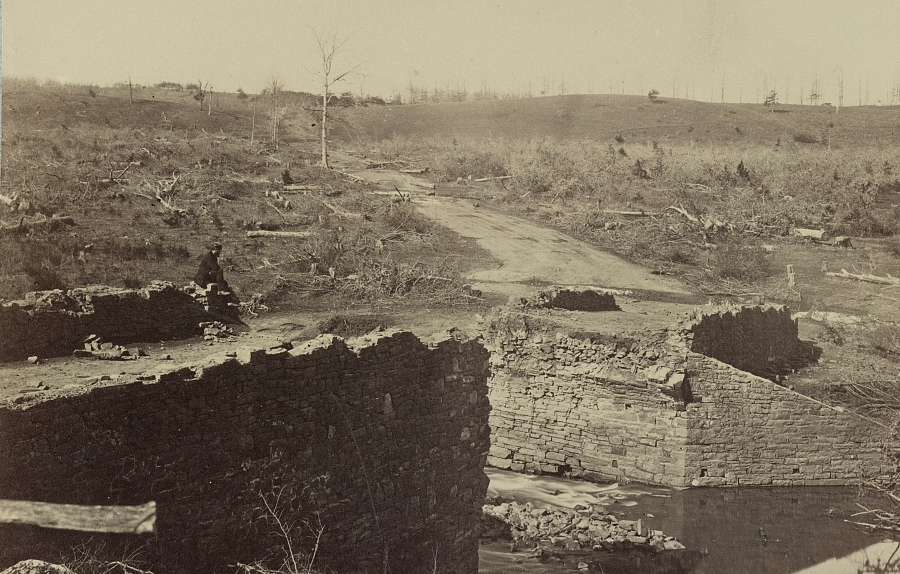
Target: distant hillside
[[635, 118]]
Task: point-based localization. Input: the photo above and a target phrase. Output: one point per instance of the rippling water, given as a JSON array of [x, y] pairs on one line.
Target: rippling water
[[738, 531]]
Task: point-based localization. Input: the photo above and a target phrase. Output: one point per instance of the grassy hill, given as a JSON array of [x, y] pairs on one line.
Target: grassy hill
[[150, 184], [634, 118]]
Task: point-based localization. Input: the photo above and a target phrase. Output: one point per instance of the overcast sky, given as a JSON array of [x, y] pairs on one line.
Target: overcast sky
[[688, 47]]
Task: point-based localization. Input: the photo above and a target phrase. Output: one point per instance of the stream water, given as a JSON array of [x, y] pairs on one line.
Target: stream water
[[730, 531]]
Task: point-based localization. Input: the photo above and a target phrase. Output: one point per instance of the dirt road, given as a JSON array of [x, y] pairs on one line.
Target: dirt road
[[530, 254], [537, 255]]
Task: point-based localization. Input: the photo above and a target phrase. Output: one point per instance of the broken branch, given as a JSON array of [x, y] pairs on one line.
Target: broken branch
[[680, 209]]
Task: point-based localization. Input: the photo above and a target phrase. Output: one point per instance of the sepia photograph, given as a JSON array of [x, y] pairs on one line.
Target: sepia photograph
[[459, 287]]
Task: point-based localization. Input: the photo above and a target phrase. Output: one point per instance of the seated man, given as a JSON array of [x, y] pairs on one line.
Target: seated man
[[210, 272]]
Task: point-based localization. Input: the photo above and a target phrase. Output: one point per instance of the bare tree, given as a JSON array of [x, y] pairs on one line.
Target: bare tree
[[274, 88], [200, 95], [329, 49], [814, 95], [130, 92], [840, 79]]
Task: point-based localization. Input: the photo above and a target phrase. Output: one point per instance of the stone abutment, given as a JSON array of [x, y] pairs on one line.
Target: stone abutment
[[382, 441], [675, 406]]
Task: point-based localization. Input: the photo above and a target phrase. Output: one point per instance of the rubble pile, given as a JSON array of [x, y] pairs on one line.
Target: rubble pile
[[583, 528], [217, 331], [95, 347]]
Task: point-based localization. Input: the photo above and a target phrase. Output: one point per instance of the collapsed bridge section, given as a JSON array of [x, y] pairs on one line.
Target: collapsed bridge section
[[381, 441], [675, 405]]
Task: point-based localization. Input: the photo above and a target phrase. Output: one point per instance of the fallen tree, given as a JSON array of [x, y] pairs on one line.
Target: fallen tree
[[867, 277], [300, 188], [628, 213], [262, 233]]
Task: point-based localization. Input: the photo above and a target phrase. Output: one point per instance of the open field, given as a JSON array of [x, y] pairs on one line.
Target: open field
[[638, 120]]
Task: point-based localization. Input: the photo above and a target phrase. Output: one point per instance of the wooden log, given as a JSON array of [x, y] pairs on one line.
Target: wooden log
[[423, 184], [262, 233], [484, 179], [414, 171], [817, 234], [340, 212], [41, 224], [351, 176], [384, 164], [301, 188], [119, 519], [867, 277], [630, 213]]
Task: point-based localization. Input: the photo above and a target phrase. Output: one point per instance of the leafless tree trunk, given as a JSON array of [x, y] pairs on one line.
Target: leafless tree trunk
[[840, 80], [130, 92], [275, 86], [209, 101], [329, 48], [201, 93]]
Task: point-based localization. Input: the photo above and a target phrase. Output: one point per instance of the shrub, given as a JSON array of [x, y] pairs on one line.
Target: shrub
[[457, 162], [404, 217], [805, 138], [735, 259]]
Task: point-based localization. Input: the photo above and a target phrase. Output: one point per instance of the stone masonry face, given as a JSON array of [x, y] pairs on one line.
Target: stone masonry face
[[385, 443], [645, 407], [57, 322]]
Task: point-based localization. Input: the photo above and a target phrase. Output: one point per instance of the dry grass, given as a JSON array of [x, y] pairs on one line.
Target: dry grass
[[151, 184]]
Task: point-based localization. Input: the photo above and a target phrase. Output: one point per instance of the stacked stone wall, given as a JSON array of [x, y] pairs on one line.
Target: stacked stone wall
[[386, 441], [57, 322], [756, 339], [608, 409], [746, 430], [643, 406]]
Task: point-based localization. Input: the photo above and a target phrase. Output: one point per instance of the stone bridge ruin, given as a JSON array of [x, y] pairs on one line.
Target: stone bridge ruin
[[385, 438], [680, 405]]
